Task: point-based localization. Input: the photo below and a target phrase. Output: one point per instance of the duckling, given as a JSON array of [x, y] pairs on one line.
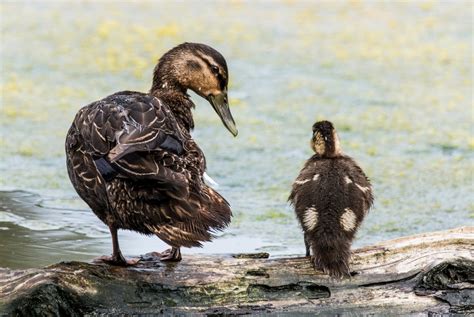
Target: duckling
[[130, 156], [331, 197]]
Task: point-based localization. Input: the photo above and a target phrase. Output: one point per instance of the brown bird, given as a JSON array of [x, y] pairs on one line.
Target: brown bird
[[131, 158], [331, 197]]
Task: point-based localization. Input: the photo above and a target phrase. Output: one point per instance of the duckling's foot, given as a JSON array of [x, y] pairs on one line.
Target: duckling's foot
[[117, 260], [171, 255]]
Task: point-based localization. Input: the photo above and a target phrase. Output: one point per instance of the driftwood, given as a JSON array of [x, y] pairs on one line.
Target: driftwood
[[425, 273]]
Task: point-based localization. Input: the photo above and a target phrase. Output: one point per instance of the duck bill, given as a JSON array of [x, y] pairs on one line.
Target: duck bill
[[221, 106]]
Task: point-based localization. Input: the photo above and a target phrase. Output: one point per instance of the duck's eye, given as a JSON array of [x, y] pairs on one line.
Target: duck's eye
[[215, 69]]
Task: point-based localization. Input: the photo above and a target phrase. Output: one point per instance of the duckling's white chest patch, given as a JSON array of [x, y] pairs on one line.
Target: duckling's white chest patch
[[348, 220]]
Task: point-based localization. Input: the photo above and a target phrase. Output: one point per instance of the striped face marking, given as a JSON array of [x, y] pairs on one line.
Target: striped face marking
[[348, 180], [348, 220], [213, 67], [201, 73], [337, 144], [319, 146], [310, 218]]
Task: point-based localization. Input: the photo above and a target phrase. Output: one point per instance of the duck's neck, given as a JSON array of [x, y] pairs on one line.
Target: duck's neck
[[179, 103]]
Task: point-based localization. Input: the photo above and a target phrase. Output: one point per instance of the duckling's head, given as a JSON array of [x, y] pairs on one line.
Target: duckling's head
[[200, 68], [325, 141]]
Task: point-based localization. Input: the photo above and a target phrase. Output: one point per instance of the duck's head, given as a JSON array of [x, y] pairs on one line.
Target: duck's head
[[200, 68], [325, 141]]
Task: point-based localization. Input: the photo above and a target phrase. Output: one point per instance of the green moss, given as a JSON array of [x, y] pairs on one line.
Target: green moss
[[327, 64], [447, 147], [271, 214], [372, 151], [345, 127], [27, 150], [388, 226]]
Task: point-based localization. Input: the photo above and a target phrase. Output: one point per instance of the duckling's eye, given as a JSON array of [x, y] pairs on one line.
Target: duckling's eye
[[215, 69]]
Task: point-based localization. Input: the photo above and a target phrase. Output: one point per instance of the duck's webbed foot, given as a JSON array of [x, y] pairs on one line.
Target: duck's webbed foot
[[171, 255], [117, 260]]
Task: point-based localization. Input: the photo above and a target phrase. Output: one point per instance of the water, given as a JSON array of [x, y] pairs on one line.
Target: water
[[396, 80]]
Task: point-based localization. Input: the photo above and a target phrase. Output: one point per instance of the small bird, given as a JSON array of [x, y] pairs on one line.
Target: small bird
[[131, 157], [331, 197]]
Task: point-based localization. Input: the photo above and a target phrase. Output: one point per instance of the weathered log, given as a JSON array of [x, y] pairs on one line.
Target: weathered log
[[425, 273]]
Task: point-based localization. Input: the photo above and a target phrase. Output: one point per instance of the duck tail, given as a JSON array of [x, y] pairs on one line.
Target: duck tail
[[331, 253], [214, 210], [182, 234], [220, 209]]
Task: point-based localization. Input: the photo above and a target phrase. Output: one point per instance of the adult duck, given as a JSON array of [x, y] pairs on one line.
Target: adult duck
[[131, 158]]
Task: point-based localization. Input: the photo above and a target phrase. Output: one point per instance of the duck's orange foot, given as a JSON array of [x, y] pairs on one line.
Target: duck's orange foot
[[117, 260], [171, 255]]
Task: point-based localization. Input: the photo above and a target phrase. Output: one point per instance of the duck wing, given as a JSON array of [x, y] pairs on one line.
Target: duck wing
[[155, 169], [135, 136], [128, 122]]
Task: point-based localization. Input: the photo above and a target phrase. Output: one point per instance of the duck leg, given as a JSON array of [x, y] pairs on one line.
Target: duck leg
[[171, 255], [117, 258]]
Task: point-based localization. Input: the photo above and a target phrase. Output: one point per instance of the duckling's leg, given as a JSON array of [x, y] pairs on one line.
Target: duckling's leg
[[117, 258], [306, 244], [171, 255]]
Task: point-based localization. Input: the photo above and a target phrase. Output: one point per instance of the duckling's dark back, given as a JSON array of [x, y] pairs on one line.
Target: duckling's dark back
[[331, 197]]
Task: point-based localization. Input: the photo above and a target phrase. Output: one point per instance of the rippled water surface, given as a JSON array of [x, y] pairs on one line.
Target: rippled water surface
[[396, 80]]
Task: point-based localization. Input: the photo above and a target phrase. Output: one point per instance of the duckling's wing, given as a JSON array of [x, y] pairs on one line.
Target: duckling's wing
[[306, 175], [342, 176], [360, 183]]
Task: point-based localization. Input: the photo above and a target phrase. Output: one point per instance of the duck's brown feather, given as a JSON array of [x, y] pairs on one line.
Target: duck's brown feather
[[158, 187]]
